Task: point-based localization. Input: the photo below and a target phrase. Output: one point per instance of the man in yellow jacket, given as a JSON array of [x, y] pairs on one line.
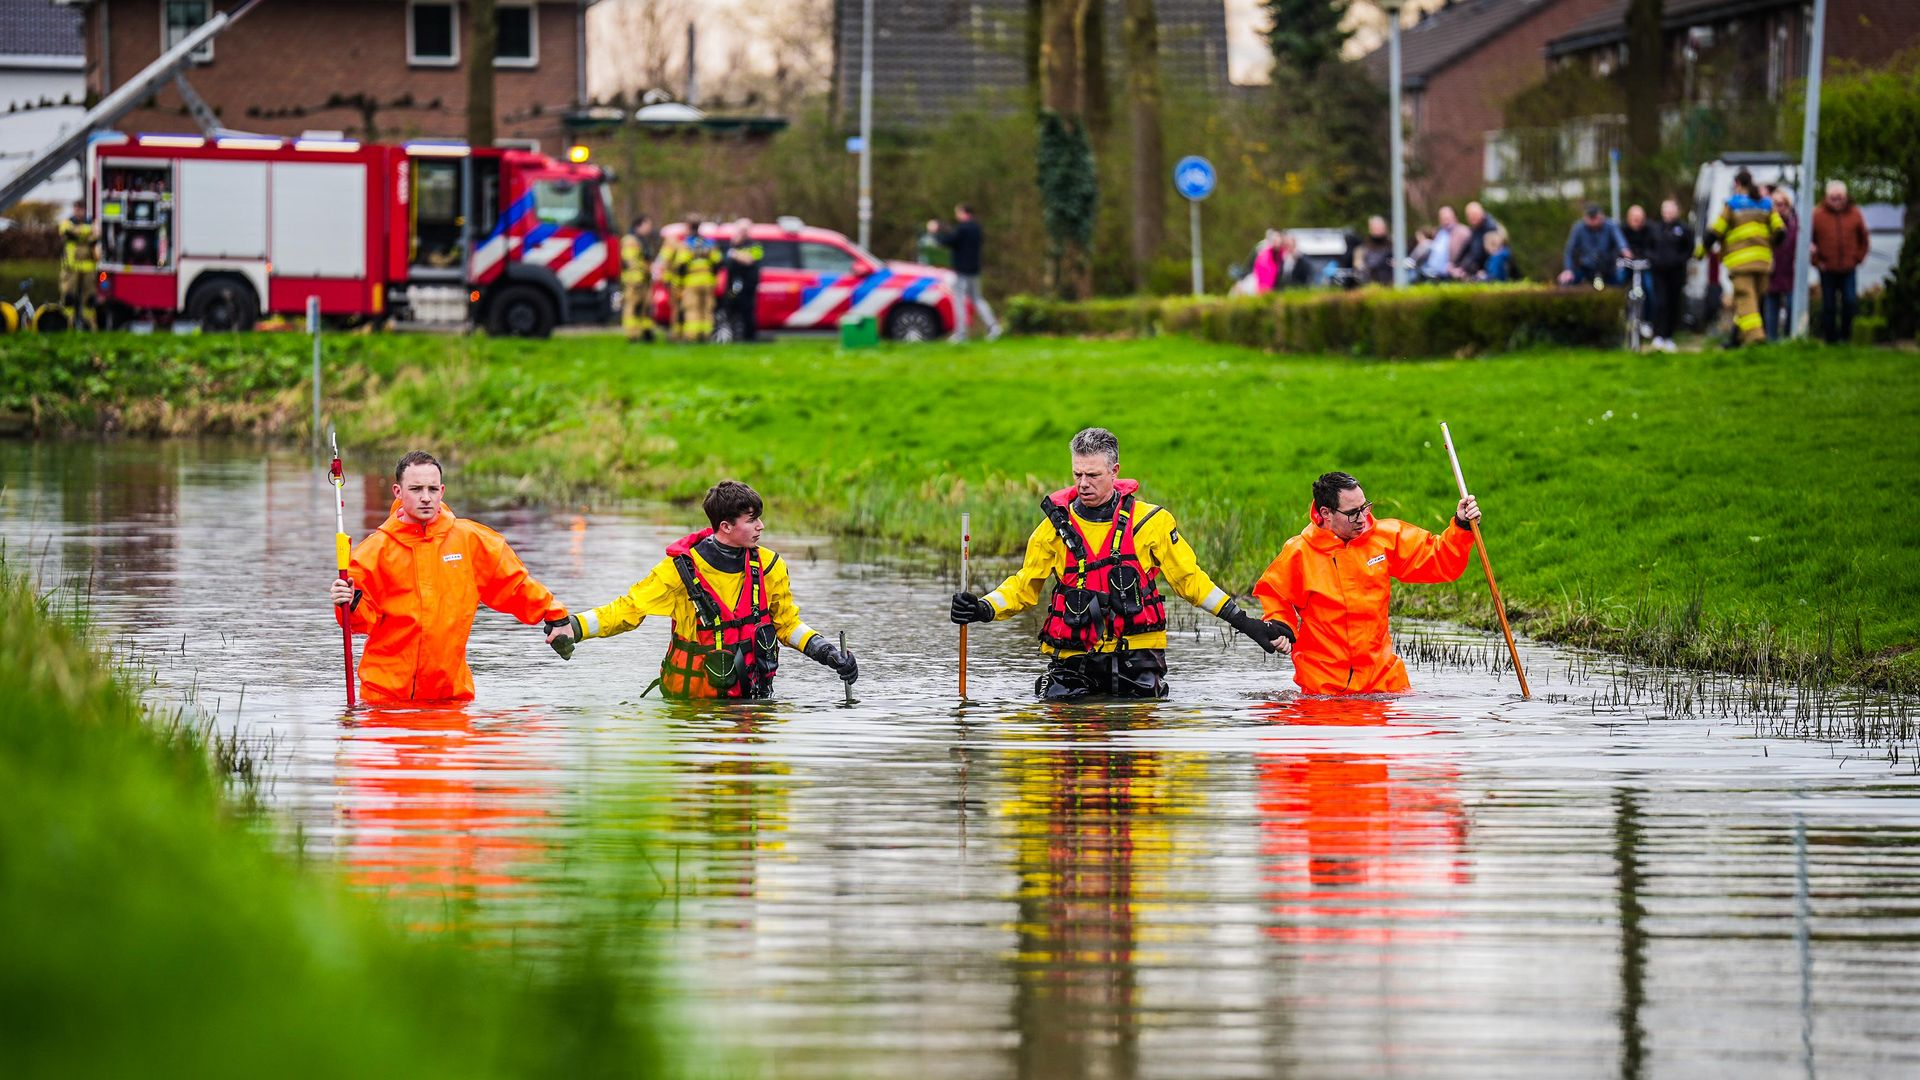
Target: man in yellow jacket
[[731, 604], [1106, 627], [79, 263], [693, 268], [637, 251], [1746, 230]]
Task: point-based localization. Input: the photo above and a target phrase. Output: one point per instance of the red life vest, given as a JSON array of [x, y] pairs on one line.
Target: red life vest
[[736, 651], [1104, 595]]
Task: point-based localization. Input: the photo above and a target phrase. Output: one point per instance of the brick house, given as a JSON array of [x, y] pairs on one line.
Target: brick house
[[1458, 67], [386, 69], [1730, 51]]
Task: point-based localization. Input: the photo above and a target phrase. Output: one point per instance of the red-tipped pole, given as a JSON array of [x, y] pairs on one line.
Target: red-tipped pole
[[342, 554]]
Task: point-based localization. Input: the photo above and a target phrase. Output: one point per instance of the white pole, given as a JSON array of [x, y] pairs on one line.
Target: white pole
[[313, 327], [1809, 175], [1447, 437], [1395, 140], [1613, 182], [866, 125], [1193, 225]]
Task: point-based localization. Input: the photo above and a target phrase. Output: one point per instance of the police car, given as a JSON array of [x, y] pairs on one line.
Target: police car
[[812, 278]]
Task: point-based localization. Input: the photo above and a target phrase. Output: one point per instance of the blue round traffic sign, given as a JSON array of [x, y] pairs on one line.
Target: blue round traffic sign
[[1193, 177]]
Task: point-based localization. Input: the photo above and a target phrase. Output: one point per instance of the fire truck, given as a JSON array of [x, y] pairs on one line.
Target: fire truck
[[223, 230]]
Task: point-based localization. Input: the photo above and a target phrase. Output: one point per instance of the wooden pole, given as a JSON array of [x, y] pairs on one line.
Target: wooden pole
[[966, 550], [1499, 605]]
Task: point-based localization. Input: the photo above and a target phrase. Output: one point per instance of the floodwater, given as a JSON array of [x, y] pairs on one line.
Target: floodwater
[[1229, 883]]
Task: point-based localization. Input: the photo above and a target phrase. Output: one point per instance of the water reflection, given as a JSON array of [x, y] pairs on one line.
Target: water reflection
[[1358, 847], [1450, 883], [436, 805]]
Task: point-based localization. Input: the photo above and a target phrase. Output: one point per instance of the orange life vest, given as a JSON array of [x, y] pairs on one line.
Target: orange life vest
[[1104, 594], [735, 651]]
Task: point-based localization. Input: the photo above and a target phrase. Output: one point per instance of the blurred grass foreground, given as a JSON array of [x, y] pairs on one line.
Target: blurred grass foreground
[[152, 929]]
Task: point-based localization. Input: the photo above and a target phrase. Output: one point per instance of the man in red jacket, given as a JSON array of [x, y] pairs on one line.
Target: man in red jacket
[[1839, 245]]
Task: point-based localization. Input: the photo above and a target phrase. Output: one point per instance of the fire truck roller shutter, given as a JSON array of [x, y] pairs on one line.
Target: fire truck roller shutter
[[319, 220]]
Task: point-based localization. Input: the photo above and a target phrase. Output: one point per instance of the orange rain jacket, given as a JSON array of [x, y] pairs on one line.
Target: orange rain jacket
[[420, 589], [1334, 596]]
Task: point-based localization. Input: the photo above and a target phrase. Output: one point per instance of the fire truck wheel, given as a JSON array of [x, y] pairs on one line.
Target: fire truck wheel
[[912, 322], [223, 303], [520, 311]]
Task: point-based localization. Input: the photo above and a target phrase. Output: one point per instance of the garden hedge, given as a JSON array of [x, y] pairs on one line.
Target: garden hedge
[[1432, 320]]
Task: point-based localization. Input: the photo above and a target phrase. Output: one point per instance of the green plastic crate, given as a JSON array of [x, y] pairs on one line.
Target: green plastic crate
[[859, 332]]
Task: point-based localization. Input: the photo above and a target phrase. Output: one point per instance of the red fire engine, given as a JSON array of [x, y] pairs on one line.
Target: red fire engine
[[223, 230]]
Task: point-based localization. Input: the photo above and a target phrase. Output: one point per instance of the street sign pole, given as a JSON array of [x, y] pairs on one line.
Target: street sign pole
[[1194, 178], [1395, 144], [1199, 275]]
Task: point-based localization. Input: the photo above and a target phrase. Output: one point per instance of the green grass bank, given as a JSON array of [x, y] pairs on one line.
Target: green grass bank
[[1730, 510], [152, 930]]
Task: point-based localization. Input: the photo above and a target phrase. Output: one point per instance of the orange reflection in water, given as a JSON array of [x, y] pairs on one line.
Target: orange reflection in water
[[1357, 847], [436, 804]]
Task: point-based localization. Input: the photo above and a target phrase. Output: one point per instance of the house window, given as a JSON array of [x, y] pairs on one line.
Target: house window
[[518, 43], [178, 18], [432, 37]]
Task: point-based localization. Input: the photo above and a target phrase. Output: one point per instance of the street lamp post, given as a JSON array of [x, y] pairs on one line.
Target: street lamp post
[[866, 126], [1398, 163], [1810, 188]]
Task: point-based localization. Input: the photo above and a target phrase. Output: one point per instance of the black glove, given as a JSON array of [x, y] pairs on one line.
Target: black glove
[[1261, 632], [970, 608], [564, 645], [1277, 630], [822, 651]]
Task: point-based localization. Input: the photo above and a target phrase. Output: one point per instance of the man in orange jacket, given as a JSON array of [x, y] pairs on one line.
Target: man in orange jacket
[[1328, 589], [417, 581]]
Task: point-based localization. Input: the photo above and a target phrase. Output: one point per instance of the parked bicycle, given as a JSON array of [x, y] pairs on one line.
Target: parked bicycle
[[1639, 330]]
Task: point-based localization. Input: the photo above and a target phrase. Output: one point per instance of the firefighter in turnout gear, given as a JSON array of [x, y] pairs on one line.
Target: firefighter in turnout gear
[[694, 265], [1106, 628], [79, 261], [1745, 231], [731, 605], [637, 251]]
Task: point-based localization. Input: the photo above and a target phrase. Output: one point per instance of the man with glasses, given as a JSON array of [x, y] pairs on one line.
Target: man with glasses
[[1329, 587]]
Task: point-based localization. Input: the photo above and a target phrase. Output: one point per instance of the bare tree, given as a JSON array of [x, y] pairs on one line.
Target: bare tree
[[1645, 78], [1142, 34], [483, 40]]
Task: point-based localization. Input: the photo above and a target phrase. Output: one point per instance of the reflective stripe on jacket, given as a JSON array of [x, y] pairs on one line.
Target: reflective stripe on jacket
[[633, 262], [1334, 595], [1746, 230], [78, 251], [420, 589], [1157, 544]]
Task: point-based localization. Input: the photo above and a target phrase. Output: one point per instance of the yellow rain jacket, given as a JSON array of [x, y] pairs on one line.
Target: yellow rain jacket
[[662, 592], [1159, 546]]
